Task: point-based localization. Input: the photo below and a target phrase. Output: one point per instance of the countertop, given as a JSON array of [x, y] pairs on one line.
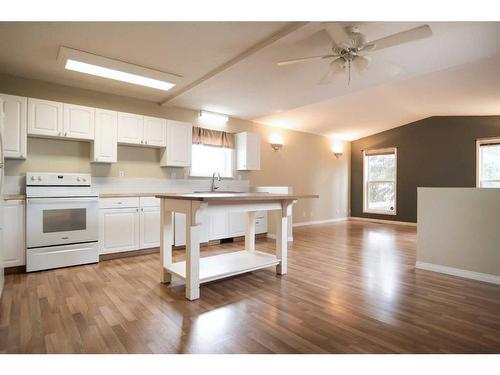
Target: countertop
[[14, 197], [205, 197]]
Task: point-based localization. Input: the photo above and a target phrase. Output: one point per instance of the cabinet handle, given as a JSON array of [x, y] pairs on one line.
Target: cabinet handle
[[136, 210], [142, 209], [142, 141], [59, 133], [146, 142], [65, 134]]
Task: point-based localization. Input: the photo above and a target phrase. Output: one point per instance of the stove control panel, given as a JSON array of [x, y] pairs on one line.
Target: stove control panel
[[57, 179]]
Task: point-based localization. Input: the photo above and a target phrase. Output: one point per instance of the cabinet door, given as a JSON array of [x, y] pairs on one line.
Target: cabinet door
[[179, 142], [155, 132], [15, 124], [150, 227], [261, 222], [253, 152], [105, 142], [45, 118], [218, 226], [78, 121], [14, 249], [119, 230], [236, 224], [130, 128]]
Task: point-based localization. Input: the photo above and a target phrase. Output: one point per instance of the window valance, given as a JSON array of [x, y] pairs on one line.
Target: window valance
[[211, 137]]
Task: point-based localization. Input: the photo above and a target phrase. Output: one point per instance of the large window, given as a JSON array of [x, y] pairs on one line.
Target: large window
[[379, 187], [488, 163], [209, 159]]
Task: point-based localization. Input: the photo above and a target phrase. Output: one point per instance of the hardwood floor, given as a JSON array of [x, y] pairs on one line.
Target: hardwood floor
[[351, 288]]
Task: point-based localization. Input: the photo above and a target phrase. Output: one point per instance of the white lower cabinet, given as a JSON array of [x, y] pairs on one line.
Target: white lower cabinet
[[119, 230], [129, 223], [219, 226], [14, 250], [150, 227]]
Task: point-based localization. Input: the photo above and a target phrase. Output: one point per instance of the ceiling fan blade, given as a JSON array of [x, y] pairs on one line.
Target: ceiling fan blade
[[411, 35], [336, 66], [360, 63], [303, 59], [337, 32]]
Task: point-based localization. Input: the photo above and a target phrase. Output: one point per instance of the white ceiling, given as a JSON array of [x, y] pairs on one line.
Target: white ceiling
[[189, 49], [453, 72]]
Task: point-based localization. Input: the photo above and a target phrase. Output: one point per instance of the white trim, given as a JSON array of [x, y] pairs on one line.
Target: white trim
[[334, 220], [479, 276], [373, 152], [382, 221], [479, 143]]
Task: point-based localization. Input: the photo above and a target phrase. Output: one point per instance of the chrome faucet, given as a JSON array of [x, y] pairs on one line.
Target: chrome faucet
[[213, 187]]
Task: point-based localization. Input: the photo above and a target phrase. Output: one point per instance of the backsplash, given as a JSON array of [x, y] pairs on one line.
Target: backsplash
[[15, 185]]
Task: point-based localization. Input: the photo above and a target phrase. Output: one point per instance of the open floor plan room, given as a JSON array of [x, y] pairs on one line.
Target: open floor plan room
[[286, 180]]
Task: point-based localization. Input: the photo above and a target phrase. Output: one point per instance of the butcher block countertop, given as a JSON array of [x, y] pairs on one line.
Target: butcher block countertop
[[207, 197]]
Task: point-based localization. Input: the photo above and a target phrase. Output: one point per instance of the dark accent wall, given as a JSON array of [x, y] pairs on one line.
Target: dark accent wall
[[433, 152]]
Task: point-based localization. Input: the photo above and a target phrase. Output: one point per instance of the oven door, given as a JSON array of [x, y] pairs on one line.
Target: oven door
[[60, 221]]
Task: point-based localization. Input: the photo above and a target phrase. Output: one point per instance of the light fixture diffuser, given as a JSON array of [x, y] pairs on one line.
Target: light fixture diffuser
[[101, 66], [213, 117]]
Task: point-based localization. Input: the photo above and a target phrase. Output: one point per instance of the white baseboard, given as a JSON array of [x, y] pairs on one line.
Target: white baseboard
[[486, 277], [382, 221], [304, 223]]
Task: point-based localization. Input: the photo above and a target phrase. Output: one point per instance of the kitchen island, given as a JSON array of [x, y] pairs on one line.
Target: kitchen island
[[195, 270]]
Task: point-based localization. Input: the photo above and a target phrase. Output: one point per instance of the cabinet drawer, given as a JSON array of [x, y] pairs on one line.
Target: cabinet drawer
[[125, 202], [149, 202]]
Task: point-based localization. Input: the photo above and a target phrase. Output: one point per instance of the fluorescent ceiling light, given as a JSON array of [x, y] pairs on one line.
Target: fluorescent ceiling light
[[212, 117], [101, 66], [100, 71]]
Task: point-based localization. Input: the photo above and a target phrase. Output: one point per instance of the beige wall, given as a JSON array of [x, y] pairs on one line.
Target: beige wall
[[458, 229], [306, 162]]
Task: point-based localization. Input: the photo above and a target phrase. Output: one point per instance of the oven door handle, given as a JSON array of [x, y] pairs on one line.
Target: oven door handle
[[63, 200]]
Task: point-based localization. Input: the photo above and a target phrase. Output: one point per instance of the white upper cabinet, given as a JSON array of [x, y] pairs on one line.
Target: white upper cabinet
[[179, 142], [141, 130], [247, 151], [155, 131], [78, 122], [15, 124], [104, 149], [45, 118], [130, 128]]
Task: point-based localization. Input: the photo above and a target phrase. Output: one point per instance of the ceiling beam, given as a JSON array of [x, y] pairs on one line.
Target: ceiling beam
[[290, 28]]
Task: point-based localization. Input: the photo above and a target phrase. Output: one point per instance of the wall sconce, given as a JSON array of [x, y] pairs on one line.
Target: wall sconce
[[276, 142], [337, 149], [276, 146]]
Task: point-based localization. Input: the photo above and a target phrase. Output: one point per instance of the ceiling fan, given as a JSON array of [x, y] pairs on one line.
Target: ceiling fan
[[350, 48]]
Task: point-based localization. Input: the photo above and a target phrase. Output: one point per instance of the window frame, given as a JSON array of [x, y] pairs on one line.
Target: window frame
[[232, 162], [481, 142], [373, 152]]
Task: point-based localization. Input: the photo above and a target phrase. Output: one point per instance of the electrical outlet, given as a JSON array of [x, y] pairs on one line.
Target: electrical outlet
[[121, 174]]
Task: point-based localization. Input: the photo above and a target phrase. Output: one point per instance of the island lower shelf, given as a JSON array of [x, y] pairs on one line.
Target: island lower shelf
[[225, 265]]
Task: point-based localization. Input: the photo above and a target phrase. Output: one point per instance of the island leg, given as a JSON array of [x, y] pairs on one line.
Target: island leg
[[250, 231], [282, 238], [192, 257], [166, 242]]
